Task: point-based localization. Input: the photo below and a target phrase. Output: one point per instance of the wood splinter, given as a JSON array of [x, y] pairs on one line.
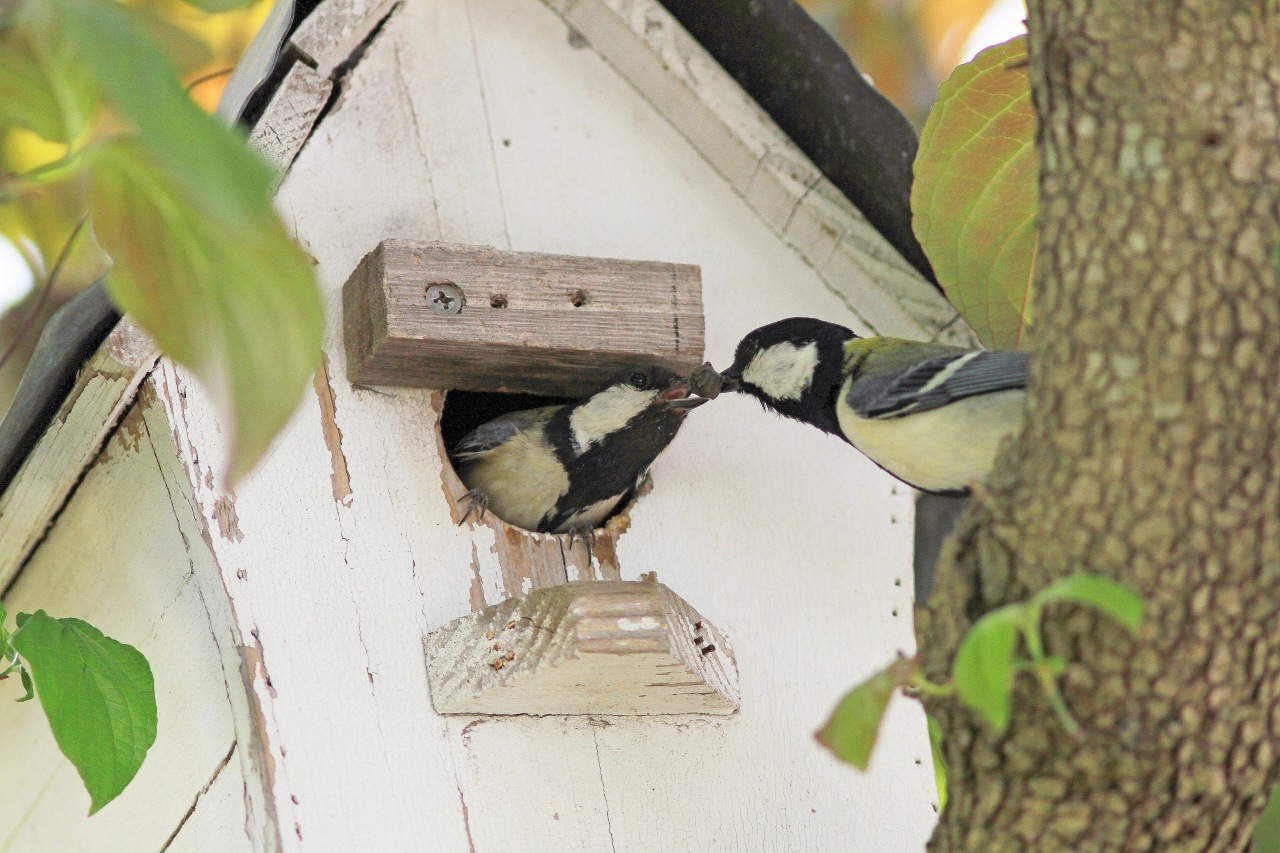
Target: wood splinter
[[591, 647]]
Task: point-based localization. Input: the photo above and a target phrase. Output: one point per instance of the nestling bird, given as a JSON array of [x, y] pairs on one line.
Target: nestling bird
[[564, 469], [931, 415]]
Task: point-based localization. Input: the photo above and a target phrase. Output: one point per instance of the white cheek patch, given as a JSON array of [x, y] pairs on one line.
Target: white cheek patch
[[783, 371], [605, 413]]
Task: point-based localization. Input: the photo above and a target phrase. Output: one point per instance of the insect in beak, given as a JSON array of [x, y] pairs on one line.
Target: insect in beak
[[678, 398]]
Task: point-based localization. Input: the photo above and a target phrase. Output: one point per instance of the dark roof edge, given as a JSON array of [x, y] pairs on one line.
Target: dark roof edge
[[792, 68], [71, 336], [806, 82]]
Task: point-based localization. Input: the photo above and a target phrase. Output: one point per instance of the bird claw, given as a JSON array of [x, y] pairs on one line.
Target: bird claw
[[586, 534], [476, 502]]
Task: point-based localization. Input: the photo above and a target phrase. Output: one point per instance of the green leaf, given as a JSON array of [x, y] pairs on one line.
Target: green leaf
[[236, 305], [1266, 832], [207, 159], [183, 207], [27, 685], [973, 201], [202, 262], [1114, 599], [7, 655], [46, 89], [99, 697], [850, 733], [939, 766], [983, 669]]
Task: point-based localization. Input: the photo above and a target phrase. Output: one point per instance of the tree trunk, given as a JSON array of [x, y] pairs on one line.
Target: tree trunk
[[1150, 453]]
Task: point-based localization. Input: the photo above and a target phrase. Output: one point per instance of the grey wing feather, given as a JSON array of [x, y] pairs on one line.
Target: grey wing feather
[[935, 382], [500, 430]]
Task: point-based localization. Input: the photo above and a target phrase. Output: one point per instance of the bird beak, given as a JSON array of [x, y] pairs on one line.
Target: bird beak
[[730, 382], [678, 398]]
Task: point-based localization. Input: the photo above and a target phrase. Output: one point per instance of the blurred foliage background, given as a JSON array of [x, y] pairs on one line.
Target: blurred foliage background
[[907, 47], [33, 227]]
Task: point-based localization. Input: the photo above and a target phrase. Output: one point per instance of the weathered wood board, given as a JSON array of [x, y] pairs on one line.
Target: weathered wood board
[[102, 393], [117, 559], [289, 116], [335, 29], [517, 321], [591, 647]]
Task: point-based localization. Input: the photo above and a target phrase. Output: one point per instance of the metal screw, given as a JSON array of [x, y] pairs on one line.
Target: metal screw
[[445, 298]]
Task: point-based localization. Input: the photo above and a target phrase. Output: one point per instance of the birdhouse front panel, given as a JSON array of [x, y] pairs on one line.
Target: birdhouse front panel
[[769, 560]]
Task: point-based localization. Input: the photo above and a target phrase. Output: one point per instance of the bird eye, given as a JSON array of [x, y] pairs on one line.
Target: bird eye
[[639, 381]]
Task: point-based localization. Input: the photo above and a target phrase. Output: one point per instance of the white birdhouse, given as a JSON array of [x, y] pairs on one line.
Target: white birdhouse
[[340, 664]]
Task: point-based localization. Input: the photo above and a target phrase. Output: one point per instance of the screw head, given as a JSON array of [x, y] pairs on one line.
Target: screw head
[[445, 298]]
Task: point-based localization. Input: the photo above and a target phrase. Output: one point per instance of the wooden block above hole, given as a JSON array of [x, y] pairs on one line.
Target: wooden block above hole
[[592, 647], [545, 324]]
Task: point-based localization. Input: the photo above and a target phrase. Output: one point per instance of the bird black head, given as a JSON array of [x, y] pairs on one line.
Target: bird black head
[[794, 367], [639, 406], [664, 388]]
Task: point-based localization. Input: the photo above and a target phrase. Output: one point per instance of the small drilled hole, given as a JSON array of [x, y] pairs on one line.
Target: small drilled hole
[[498, 300], [1211, 138], [578, 298]]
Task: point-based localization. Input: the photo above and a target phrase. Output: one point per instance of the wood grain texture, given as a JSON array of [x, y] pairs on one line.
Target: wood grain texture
[[289, 116], [330, 33], [245, 676], [117, 559], [614, 647], [103, 390], [531, 322]]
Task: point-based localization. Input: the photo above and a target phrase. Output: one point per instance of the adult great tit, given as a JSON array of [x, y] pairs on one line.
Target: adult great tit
[[931, 415], [564, 469]]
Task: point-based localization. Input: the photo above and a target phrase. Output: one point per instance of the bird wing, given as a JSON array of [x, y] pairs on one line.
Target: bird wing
[[500, 430], [935, 382]]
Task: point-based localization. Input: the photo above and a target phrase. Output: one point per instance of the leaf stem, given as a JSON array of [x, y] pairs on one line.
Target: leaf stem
[[43, 296], [1058, 704], [205, 78], [1043, 669], [925, 687], [62, 162]]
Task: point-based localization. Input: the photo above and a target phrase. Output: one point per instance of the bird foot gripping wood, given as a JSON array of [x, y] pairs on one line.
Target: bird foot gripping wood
[[587, 535], [591, 647], [476, 501]]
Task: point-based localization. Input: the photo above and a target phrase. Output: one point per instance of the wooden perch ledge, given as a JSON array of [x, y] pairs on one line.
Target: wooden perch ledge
[[591, 647], [446, 316]]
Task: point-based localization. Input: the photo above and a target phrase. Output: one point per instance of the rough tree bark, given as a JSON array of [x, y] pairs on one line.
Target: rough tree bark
[[1150, 454]]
